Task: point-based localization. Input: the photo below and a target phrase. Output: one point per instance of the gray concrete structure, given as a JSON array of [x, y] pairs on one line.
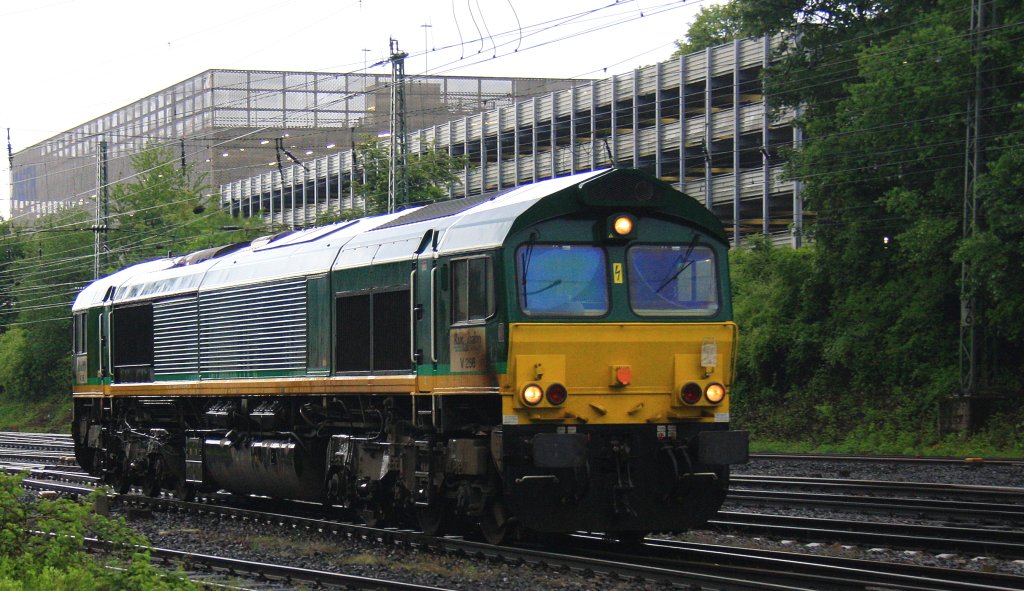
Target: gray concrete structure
[[698, 121], [226, 122]]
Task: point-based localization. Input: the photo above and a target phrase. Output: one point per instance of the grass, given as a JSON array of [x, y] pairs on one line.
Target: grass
[[51, 415], [290, 546], [278, 544], [981, 445]]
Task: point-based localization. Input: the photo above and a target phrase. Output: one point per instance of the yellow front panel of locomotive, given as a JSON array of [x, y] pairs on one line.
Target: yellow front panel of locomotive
[[617, 373]]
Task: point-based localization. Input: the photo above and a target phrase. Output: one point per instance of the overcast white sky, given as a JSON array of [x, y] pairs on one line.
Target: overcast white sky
[[69, 61]]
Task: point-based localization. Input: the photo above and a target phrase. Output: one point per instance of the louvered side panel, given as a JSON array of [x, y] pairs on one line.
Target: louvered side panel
[[254, 328], [175, 338]]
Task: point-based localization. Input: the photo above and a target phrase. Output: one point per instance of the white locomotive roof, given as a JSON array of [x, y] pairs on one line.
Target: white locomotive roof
[[487, 224], [385, 238], [93, 294]]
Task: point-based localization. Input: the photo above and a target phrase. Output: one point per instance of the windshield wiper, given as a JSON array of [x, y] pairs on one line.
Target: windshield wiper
[[524, 259], [554, 283], [685, 259]]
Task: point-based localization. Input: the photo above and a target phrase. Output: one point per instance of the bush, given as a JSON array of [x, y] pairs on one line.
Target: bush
[[42, 547]]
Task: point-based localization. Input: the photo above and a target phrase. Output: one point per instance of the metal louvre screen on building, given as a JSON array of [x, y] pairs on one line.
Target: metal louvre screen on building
[[253, 328], [175, 337]]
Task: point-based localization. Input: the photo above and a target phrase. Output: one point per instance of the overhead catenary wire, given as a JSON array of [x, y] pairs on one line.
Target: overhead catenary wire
[[557, 21]]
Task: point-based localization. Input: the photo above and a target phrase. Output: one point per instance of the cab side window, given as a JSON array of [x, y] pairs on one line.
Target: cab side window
[[79, 337], [472, 289]]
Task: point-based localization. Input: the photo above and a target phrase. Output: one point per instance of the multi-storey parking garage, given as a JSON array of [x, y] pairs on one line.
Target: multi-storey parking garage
[[698, 121], [225, 125]]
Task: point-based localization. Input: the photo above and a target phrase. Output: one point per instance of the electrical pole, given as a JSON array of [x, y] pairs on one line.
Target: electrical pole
[[426, 48], [973, 164], [397, 188], [10, 161], [99, 227]]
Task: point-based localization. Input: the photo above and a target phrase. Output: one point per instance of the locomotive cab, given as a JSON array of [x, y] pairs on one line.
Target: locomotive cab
[[615, 408]]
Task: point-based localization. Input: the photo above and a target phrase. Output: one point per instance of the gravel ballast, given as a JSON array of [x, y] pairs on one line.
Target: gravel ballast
[[276, 544]]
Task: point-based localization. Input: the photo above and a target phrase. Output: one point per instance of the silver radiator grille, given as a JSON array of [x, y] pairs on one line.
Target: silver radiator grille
[[175, 337], [254, 328]]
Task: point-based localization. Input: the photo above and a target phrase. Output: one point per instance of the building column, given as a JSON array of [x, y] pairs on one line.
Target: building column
[[736, 142]]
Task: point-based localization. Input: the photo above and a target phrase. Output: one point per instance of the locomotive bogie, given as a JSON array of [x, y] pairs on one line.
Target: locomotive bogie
[[552, 358]]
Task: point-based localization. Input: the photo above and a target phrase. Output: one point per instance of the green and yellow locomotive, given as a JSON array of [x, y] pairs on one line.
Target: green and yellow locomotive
[[554, 357]]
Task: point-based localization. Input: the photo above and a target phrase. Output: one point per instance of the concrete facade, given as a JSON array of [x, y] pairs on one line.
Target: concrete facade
[[698, 121], [225, 123]]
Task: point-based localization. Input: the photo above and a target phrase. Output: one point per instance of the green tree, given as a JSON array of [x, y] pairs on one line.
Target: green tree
[[777, 303], [713, 25], [429, 175], [159, 210], [50, 262], [164, 208], [881, 89]]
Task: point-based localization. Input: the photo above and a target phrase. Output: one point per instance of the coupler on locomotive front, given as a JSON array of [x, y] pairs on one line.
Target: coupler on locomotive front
[[621, 479]]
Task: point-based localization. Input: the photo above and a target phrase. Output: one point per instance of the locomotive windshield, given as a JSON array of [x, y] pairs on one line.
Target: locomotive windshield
[[673, 280], [562, 279]]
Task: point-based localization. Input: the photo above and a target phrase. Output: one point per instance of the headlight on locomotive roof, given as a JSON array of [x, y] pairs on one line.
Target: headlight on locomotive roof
[[715, 393], [557, 394], [623, 225], [691, 393], [533, 394]]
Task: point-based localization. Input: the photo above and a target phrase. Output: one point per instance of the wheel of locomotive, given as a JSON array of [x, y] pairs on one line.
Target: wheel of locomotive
[[115, 472], [151, 484], [630, 538], [494, 524], [183, 491], [337, 489], [434, 519], [119, 481], [86, 457], [371, 514]]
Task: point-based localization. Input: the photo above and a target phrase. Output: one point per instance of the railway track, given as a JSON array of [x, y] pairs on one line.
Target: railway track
[[1004, 543], [239, 568], [279, 572], [869, 574], [1008, 544], [977, 461], [926, 489], [36, 441], [669, 561], [950, 502], [37, 449], [661, 561]]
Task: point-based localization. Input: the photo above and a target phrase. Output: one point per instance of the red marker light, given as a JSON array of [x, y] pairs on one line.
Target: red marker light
[[624, 375], [691, 393], [557, 394]]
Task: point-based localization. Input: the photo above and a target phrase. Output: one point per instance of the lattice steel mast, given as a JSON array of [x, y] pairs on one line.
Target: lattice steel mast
[[397, 186], [99, 227]]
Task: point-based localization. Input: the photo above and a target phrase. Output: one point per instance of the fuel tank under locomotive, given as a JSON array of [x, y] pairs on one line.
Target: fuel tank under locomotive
[[276, 467], [618, 478]]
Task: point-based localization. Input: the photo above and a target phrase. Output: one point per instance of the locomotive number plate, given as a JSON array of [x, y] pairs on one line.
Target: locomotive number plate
[[469, 349]]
